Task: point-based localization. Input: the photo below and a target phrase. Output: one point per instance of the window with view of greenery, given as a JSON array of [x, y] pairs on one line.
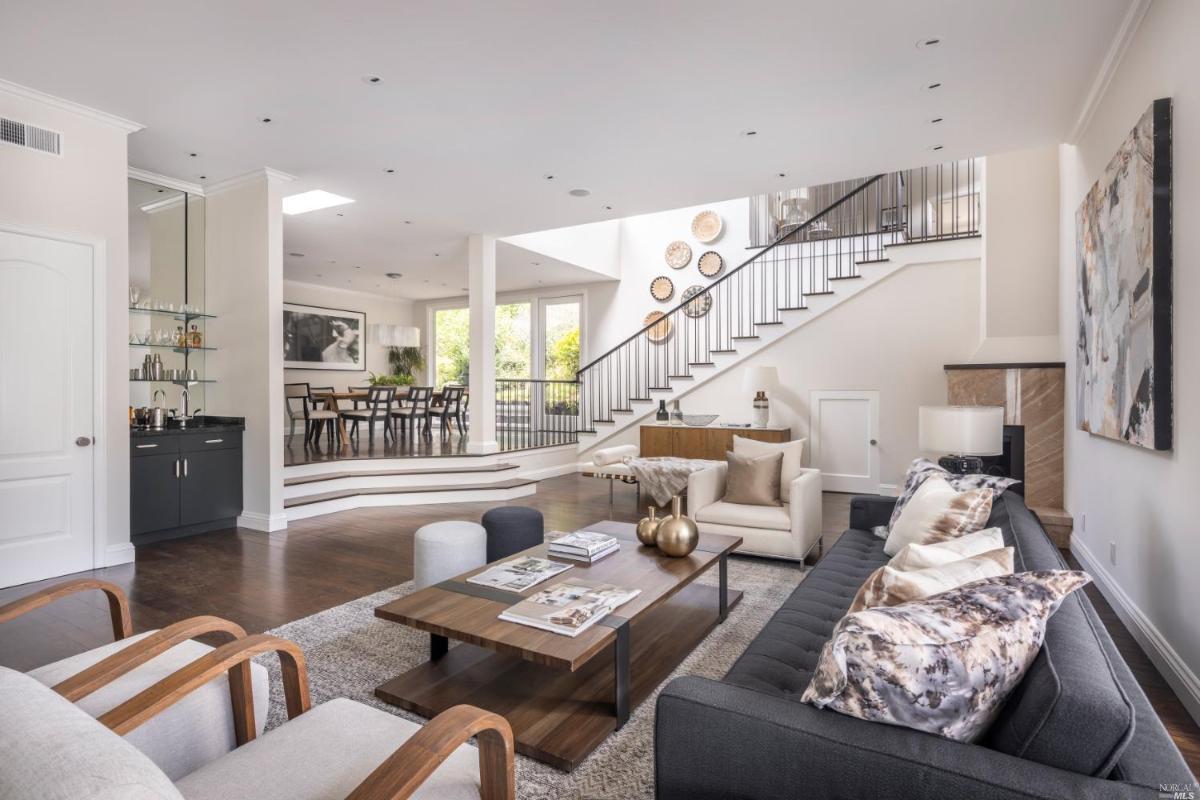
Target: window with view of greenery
[[452, 331], [562, 341]]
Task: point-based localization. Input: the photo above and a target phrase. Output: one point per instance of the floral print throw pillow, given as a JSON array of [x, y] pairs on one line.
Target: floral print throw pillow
[[945, 664], [922, 469]]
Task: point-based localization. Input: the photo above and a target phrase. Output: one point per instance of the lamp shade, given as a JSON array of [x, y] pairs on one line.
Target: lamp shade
[[962, 430], [756, 379], [394, 335]]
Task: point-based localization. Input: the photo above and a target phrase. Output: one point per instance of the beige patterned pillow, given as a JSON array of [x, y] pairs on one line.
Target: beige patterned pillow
[[891, 587], [943, 665], [753, 481], [939, 512], [920, 556]]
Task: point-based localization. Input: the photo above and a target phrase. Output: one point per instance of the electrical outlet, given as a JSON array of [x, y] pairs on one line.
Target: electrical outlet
[[1112, 553]]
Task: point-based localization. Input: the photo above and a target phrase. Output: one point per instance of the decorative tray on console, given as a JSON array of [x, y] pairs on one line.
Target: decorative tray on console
[[699, 420]]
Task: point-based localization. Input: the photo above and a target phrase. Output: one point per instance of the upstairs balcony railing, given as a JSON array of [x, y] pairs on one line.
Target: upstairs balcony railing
[[855, 223]]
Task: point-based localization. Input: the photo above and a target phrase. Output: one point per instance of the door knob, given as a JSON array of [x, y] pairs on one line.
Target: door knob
[[83, 441], [873, 442]]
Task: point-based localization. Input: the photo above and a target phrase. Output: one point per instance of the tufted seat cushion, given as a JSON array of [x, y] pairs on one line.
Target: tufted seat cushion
[[781, 660]]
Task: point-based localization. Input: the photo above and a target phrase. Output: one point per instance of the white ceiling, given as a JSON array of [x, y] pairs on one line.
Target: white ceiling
[[640, 102]]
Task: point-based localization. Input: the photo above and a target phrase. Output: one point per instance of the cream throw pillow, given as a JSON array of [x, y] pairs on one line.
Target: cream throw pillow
[[793, 457], [752, 481], [920, 556], [945, 664], [938, 512], [891, 587]]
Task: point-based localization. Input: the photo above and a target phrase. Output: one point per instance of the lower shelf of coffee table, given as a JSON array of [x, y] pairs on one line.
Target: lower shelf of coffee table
[[560, 717]]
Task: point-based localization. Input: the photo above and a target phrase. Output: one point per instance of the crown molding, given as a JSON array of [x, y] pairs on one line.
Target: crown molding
[[261, 173], [24, 92], [1108, 68], [164, 180]]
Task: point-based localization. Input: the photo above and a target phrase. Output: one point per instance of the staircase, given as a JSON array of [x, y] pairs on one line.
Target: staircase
[[813, 263]]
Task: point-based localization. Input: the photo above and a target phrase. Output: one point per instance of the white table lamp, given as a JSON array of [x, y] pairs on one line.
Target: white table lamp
[[961, 434], [759, 380]]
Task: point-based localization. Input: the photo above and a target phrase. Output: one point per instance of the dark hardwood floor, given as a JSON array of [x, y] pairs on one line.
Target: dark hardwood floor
[[296, 451], [264, 580]]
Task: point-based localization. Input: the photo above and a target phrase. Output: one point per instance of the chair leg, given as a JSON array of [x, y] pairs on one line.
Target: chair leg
[[371, 431], [329, 433]]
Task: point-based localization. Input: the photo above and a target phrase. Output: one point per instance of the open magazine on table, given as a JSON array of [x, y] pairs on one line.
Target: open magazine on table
[[519, 574], [570, 607]]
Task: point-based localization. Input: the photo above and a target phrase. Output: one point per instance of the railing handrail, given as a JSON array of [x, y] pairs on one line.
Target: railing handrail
[[778, 241], [539, 380]]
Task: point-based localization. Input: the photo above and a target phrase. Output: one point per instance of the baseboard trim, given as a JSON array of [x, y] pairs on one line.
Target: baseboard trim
[[1182, 679], [267, 523], [117, 554]]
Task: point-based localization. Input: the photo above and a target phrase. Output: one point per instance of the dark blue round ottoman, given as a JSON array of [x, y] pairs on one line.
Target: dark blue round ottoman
[[511, 529]]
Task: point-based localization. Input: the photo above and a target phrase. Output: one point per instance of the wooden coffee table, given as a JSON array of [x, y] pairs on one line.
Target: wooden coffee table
[[563, 695]]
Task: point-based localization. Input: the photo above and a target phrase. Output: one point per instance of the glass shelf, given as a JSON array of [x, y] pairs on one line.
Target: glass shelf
[[171, 347], [183, 316]]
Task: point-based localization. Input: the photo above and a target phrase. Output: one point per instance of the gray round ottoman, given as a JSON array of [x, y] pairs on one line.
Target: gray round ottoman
[[511, 529], [442, 550]]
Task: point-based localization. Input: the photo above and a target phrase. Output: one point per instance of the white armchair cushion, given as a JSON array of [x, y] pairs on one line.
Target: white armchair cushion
[[325, 753], [737, 515], [788, 531], [184, 737], [52, 750], [793, 457]]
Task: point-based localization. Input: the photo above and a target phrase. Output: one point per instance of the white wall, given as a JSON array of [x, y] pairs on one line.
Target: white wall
[[244, 245], [1144, 501], [379, 309], [84, 193], [595, 246], [1020, 261]]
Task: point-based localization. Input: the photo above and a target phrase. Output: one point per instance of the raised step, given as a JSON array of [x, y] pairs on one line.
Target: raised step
[[794, 308], [818, 294], [396, 473], [744, 338], [846, 277], [722, 352], [511, 483], [703, 363], [681, 377], [875, 260], [773, 322]]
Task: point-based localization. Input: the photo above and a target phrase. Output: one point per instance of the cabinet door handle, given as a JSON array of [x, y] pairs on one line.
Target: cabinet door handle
[[185, 468], [177, 468], [144, 446], [213, 441]]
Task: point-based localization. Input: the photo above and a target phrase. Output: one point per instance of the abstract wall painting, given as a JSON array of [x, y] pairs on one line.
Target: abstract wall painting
[[1123, 247]]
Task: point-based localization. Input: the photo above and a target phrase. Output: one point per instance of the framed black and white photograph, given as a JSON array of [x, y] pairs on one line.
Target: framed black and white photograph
[[323, 338]]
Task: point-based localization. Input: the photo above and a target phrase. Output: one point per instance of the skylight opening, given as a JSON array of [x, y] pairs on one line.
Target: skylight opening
[[312, 201]]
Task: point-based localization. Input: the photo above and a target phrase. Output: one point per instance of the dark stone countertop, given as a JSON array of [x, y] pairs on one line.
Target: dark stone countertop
[[201, 424]]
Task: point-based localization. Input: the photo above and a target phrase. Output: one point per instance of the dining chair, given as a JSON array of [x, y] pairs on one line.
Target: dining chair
[[449, 408], [378, 409], [414, 407], [316, 419], [296, 391], [319, 402], [364, 389]]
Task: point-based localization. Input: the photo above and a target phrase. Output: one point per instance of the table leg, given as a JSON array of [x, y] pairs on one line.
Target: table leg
[[438, 646], [723, 587], [621, 667]]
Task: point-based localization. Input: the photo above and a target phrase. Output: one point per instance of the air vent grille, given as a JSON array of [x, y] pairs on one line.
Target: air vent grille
[[30, 136]]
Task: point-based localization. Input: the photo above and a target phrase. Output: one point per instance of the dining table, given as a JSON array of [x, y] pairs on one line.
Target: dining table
[[333, 399]]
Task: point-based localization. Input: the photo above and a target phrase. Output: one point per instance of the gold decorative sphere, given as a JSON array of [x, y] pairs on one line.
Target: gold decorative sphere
[[647, 528], [677, 535]]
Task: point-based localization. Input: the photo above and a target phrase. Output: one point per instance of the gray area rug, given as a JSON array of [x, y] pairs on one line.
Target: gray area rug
[[350, 652]]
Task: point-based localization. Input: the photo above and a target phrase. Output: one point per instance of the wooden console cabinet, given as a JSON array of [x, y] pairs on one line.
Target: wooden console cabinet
[[710, 443]]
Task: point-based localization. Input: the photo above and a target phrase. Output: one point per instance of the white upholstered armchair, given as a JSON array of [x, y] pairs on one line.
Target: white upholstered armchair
[[787, 531]]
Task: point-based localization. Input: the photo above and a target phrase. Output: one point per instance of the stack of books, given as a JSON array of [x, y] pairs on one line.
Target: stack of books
[[586, 546]]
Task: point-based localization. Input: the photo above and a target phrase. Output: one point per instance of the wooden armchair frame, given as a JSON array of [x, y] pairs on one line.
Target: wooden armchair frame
[[395, 779], [118, 604]]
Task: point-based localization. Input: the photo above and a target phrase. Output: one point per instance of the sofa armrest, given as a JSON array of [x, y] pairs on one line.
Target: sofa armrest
[[716, 740], [869, 510], [804, 505], [705, 487]]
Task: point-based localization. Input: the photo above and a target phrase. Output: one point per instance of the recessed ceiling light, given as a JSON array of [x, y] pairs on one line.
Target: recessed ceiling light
[[782, 174], [358, 267], [389, 171], [296, 255], [935, 120], [936, 147], [435, 255], [193, 155], [536, 263], [934, 85], [264, 119], [312, 201], [203, 177], [340, 214], [932, 41], [160, 191], [318, 275], [549, 176], [579, 192], [372, 79], [749, 133], [395, 276], [408, 222]]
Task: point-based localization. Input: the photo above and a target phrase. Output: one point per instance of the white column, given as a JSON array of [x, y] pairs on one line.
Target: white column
[[481, 269], [244, 289]]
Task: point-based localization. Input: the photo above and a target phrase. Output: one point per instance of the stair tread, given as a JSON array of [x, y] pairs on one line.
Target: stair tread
[[816, 294], [772, 322], [846, 277], [395, 473], [739, 338], [794, 308], [702, 363], [722, 352], [873, 261], [511, 483]]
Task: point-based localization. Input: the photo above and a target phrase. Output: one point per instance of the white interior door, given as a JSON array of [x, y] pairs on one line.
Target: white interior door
[[46, 408], [845, 440]]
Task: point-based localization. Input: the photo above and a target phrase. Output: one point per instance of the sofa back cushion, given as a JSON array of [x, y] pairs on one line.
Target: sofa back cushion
[[1070, 711], [54, 751]]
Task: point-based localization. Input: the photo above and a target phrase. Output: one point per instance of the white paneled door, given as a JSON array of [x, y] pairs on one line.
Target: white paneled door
[[845, 440], [46, 408]]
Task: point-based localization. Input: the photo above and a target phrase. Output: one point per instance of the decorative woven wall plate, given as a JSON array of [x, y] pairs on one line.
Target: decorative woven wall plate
[[661, 331], [710, 264], [698, 301], [706, 226], [661, 288], [678, 255]]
